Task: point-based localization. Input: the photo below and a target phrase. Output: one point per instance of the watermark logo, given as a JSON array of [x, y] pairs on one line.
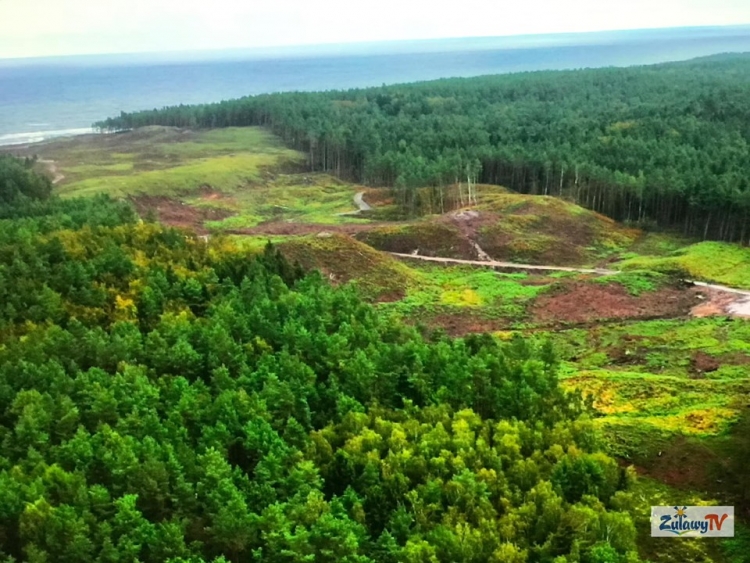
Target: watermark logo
[[692, 521]]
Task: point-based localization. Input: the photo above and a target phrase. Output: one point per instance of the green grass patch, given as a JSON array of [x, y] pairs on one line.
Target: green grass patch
[[668, 345], [299, 198], [257, 244], [239, 169], [461, 289], [656, 244], [666, 403], [88, 170], [224, 173], [165, 160], [646, 380], [718, 262], [636, 282]]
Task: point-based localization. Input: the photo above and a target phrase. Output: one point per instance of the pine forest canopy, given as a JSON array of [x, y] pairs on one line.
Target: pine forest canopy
[[666, 143], [18, 179]]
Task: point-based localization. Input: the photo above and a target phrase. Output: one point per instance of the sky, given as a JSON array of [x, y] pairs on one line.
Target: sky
[[35, 28]]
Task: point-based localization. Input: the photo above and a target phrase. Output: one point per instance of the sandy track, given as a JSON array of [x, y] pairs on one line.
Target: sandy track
[[51, 165], [361, 203], [507, 265]]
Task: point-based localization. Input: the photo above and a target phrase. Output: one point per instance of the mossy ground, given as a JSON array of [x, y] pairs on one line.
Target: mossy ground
[[659, 411], [164, 160], [246, 173], [511, 227], [636, 282], [298, 198], [647, 378], [717, 262], [650, 492], [441, 291]]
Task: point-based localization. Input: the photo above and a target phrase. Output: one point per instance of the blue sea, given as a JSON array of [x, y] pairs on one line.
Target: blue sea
[[44, 98]]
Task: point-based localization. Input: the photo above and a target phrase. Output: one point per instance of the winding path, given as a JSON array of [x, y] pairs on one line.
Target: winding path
[[724, 288], [361, 203], [57, 176], [509, 265]]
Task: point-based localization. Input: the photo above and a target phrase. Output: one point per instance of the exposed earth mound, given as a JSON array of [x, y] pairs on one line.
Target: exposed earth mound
[[425, 238], [548, 230], [580, 302], [344, 259], [509, 227], [175, 213]]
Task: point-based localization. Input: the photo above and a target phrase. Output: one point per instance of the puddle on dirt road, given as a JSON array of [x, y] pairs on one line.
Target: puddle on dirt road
[[721, 303], [740, 308]]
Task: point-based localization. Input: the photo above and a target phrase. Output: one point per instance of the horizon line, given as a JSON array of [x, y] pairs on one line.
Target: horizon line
[[295, 48]]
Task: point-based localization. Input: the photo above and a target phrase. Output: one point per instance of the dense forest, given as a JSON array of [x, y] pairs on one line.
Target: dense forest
[[162, 399], [18, 181], [664, 144]]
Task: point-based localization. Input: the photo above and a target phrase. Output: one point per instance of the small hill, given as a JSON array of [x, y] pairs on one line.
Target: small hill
[[549, 230], [343, 259], [513, 227], [428, 238]]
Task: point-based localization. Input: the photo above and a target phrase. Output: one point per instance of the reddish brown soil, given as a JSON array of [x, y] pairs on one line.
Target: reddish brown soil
[[624, 354], [684, 464], [391, 297], [177, 214], [207, 193], [579, 302], [377, 197], [702, 363], [469, 222], [714, 303]]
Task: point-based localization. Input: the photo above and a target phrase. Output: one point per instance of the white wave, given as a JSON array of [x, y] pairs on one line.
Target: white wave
[[37, 136]]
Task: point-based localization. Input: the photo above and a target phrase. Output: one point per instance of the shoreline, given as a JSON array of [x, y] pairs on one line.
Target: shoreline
[[24, 140]]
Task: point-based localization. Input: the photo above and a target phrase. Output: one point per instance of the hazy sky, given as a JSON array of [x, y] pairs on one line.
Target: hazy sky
[[64, 27]]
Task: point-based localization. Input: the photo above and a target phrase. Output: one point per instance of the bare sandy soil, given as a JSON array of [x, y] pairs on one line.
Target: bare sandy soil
[[581, 302], [177, 214], [720, 302]]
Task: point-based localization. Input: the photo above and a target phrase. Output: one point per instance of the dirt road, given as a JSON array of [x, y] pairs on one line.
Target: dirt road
[[723, 288], [720, 299], [726, 300], [361, 203], [508, 265], [57, 177]]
